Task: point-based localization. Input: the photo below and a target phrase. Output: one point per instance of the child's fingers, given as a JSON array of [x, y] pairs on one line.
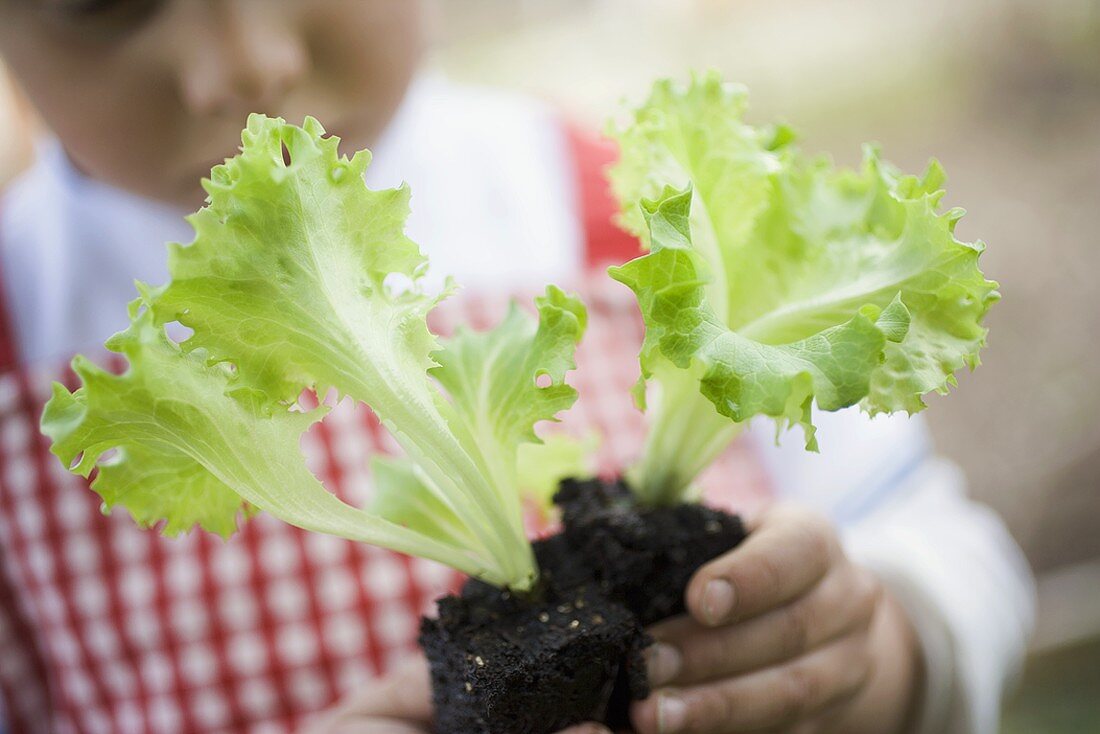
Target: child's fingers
[[768, 699], [400, 701], [688, 653], [405, 694], [787, 555]]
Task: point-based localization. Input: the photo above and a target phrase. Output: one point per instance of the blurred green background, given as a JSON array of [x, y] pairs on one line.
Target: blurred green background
[[1006, 93]]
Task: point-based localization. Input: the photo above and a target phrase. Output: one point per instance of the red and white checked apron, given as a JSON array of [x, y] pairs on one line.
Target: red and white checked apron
[[105, 627]]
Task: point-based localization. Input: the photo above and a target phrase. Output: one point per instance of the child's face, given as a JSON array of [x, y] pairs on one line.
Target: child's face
[[149, 94]]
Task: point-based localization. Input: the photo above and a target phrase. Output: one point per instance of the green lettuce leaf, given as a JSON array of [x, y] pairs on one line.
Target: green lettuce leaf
[[506, 380], [287, 276], [301, 278], [169, 443], [291, 276], [775, 282], [403, 495], [502, 382]]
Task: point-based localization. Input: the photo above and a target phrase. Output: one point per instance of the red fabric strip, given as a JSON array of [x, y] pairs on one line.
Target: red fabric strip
[[604, 242]]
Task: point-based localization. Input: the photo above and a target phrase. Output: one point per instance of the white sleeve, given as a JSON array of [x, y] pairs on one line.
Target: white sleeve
[[904, 513]]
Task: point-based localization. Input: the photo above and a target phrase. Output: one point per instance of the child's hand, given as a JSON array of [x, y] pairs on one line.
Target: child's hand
[[399, 703], [785, 634]]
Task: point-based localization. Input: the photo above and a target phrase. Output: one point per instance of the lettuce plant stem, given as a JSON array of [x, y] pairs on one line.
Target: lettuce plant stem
[[459, 481], [686, 434]]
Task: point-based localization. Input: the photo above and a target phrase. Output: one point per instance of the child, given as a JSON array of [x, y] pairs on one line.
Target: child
[[908, 609]]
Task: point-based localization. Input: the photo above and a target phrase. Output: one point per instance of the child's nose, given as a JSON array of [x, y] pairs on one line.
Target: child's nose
[[247, 66]]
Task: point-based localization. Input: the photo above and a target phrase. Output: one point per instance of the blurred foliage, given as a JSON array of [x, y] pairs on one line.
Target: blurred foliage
[[1058, 695]]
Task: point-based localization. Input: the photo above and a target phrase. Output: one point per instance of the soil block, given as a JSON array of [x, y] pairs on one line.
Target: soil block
[[642, 557], [502, 665], [572, 650]]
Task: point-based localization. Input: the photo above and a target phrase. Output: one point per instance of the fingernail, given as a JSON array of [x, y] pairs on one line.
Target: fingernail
[[671, 714], [662, 663], [717, 601]]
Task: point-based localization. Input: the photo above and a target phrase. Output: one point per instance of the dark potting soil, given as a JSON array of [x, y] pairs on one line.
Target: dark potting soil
[[504, 666], [642, 557], [572, 650]]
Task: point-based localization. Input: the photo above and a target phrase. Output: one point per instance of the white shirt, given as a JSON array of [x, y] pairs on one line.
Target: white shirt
[[494, 199]]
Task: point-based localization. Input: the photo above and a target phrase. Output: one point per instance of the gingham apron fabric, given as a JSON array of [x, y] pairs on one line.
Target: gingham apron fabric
[[105, 627]]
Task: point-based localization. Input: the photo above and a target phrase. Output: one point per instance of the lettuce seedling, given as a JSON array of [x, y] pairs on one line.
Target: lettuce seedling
[[301, 278], [775, 282]]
